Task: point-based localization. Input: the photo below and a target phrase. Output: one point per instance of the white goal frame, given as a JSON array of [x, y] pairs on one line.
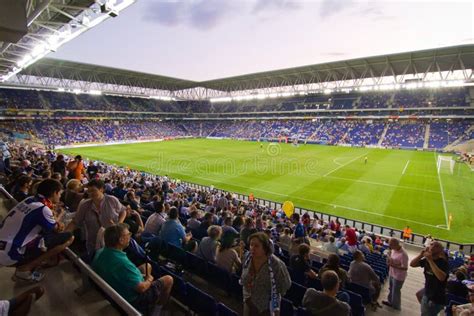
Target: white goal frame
[[441, 163]]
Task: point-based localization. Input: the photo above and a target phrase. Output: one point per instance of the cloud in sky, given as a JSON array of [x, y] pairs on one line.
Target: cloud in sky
[[275, 5], [332, 7], [208, 14], [201, 14]]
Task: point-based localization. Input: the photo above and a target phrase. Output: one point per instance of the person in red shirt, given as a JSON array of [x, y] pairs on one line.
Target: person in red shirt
[[351, 237]]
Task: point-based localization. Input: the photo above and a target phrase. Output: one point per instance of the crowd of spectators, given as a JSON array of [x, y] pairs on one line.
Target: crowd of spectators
[[335, 132], [118, 210], [32, 99]]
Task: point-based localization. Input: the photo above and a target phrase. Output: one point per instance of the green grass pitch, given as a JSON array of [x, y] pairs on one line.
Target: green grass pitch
[[394, 188]]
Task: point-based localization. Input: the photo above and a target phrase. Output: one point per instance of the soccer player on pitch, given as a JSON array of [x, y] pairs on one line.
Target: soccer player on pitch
[[365, 160]]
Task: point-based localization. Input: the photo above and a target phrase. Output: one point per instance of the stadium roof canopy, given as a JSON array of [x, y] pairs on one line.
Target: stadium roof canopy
[[401, 67], [62, 69], [401, 64], [30, 29]]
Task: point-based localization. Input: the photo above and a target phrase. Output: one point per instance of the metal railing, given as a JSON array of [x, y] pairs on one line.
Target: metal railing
[[88, 275]]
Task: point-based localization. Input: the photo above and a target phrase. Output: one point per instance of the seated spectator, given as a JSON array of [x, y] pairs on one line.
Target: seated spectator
[[193, 223], [133, 220], [330, 246], [285, 239], [227, 226], [456, 287], [22, 187], [135, 285], [300, 263], [465, 309], [228, 257], [73, 195], [325, 302], [207, 221], [208, 246], [31, 233], [21, 304], [59, 165], [155, 221], [247, 230], [363, 274], [265, 278], [172, 231], [333, 265]]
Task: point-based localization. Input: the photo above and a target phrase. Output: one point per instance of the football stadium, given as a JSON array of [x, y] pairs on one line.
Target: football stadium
[[344, 186]]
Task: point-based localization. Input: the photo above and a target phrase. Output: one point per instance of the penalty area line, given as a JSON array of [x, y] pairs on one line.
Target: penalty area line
[[405, 169]]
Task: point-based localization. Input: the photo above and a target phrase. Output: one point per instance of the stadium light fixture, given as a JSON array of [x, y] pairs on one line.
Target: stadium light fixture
[[61, 89], [65, 34], [327, 91], [77, 91], [94, 92]]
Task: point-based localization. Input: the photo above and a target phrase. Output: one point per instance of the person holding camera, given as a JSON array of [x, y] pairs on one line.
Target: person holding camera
[[436, 270]]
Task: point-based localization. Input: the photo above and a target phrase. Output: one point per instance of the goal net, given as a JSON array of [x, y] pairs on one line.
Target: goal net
[[445, 164]]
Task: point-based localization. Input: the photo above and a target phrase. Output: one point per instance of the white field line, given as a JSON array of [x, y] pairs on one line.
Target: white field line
[[442, 193], [330, 204], [384, 184], [324, 203], [343, 165], [404, 169]]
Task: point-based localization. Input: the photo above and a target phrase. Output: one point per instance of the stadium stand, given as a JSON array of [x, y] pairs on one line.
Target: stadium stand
[[187, 269]]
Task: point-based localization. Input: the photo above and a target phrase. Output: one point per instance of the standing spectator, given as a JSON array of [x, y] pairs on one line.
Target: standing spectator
[[325, 303], [97, 213], [265, 278], [299, 233], [436, 269], [398, 262], [351, 238], [363, 274], [6, 155], [76, 168], [135, 285], [30, 233], [59, 165], [407, 234]]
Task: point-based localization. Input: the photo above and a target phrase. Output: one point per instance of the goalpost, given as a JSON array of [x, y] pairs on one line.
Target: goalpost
[[445, 164]]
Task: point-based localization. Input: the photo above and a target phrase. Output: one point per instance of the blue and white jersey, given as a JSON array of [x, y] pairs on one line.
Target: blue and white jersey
[[23, 224]]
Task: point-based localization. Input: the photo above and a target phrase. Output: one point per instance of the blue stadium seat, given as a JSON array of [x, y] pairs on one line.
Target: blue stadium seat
[[361, 290], [196, 264], [286, 308], [301, 311], [357, 307], [219, 276], [200, 302], [223, 310], [296, 293]]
